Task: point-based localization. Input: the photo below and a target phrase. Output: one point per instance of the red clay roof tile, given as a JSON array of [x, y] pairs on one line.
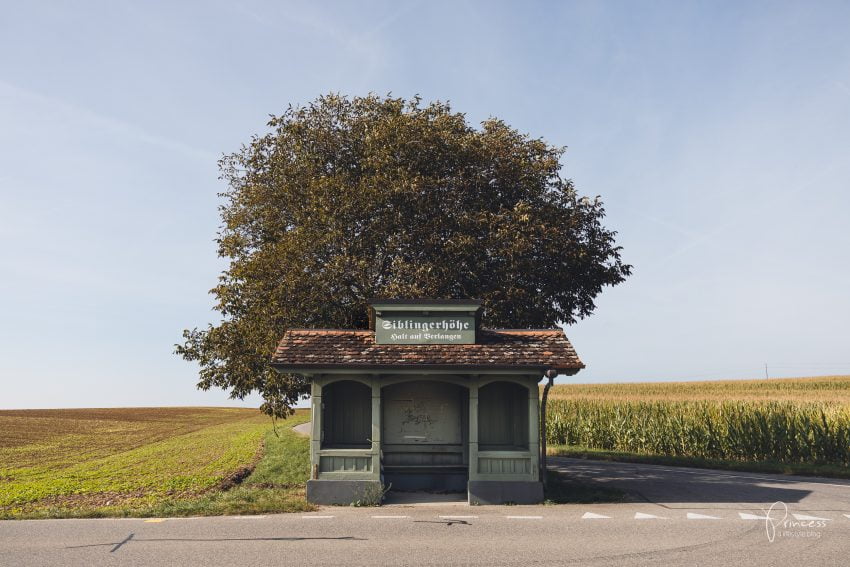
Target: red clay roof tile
[[497, 348]]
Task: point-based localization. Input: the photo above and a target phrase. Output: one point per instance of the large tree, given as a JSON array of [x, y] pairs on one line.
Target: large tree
[[351, 198]]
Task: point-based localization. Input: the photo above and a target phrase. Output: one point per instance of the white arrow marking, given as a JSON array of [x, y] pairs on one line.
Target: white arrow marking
[[848, 515], [805, 517], [693, 516], [642, 516], [751, 516], [592, 516]]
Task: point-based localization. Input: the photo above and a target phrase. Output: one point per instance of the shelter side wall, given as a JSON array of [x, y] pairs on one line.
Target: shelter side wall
[[510, 459], [334, 463]]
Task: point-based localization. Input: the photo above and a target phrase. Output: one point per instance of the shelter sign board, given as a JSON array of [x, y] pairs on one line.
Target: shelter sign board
[[439, 328]]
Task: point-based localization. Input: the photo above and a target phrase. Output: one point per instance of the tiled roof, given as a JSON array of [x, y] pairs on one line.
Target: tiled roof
[[342, 348]]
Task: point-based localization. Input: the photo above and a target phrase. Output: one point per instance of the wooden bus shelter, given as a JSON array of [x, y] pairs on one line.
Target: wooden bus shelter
[[425, 400]]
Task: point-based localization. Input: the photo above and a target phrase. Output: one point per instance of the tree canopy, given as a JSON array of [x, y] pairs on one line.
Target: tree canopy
[[347, 199]]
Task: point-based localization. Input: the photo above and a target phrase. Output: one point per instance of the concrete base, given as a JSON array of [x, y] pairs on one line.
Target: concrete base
[[343, 492], [421, 498], [505, 492]]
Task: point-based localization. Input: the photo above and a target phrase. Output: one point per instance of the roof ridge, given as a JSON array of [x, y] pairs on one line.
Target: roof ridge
[[329, 330], [559, 330], [486, 329]]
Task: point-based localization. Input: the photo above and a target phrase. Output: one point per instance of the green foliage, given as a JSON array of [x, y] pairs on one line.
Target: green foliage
[[275, 485], [286, 459], [349, 199], [775, 431], [178, 475], [132, 455], [241, 500]]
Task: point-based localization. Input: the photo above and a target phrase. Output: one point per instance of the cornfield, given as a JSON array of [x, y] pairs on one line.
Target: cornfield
[[779, 430]]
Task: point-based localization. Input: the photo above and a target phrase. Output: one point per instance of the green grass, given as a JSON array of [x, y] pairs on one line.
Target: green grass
[[142, 463], [276, 484], [286, 461]]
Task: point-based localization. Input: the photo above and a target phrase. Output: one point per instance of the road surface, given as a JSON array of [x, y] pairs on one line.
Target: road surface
[[678, 516]]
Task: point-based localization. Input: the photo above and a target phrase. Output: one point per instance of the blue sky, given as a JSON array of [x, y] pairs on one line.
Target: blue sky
[[717, 134]]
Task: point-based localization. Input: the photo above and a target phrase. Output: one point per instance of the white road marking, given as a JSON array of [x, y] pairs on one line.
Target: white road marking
[[317, 517], [388, 517], [642, 516], [693, 516], [250, 517], [524, 517], [848, 515], [805, 517], [592, 516], [458, 517], [745, 516]]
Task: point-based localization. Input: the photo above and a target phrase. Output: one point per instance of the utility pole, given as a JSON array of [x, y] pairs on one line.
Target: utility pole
[[766, 377]]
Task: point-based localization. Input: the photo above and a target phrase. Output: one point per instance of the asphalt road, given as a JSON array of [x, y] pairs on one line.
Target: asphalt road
[[678, 517]]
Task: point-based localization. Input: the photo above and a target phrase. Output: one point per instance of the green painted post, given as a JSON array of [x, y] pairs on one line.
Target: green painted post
[[533, 429], [473, 428], [316, 426], [550, 374], [376, 427]]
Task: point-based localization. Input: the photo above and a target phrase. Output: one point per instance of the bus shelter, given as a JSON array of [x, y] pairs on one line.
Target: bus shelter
[[425, 399]]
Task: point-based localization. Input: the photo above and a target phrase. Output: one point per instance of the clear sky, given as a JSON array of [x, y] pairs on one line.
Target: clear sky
[[717, 133]]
